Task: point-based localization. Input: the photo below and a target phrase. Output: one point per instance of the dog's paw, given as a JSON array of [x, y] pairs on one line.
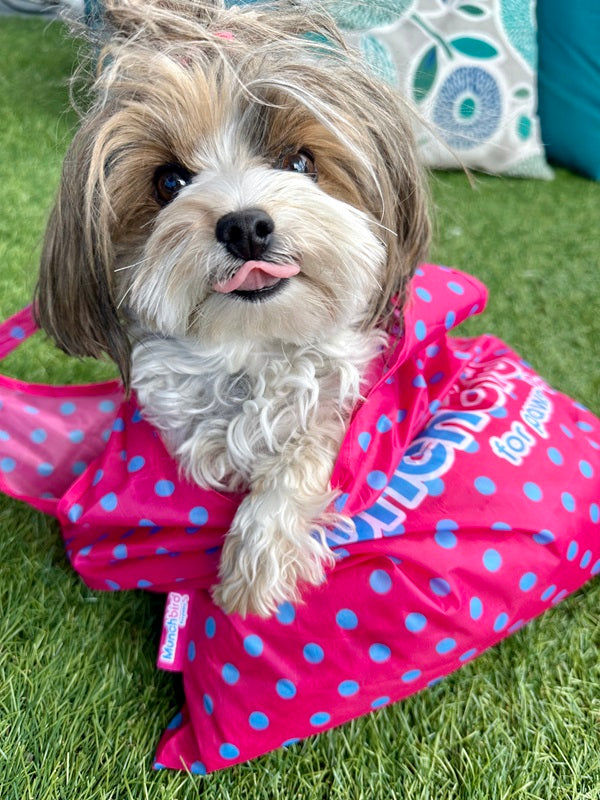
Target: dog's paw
[[257, 581]]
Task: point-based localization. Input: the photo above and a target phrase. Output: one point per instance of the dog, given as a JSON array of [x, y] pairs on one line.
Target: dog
[[238, 218]]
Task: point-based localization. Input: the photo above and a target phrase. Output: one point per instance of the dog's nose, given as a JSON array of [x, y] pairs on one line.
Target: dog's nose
[[246, 233]]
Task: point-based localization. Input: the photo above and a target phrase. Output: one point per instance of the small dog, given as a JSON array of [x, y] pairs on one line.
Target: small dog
[[238, 218]]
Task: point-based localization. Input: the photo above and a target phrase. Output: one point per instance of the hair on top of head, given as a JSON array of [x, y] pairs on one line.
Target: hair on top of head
[[157, 63]]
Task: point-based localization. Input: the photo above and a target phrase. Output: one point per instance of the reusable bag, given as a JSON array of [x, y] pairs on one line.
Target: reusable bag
[[473, 486]]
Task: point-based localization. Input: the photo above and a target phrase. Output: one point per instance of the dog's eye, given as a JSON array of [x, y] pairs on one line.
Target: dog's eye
[[303, 162], [169, 180]]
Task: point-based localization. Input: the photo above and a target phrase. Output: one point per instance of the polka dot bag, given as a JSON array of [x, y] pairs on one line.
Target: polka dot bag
[[475, 491]]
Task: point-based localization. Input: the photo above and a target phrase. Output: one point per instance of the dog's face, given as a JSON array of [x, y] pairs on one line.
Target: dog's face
[[233, 180]]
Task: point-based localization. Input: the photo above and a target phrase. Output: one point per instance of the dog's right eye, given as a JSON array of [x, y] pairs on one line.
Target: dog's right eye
[[169, 180]]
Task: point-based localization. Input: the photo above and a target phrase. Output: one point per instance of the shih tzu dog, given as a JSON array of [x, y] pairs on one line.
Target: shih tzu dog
[[238, 217]]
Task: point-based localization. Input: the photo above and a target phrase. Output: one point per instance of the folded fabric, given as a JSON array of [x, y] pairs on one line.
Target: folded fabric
[[473, 485]]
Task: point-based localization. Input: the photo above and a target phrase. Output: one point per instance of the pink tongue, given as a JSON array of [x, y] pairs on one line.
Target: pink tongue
[[255, 275]]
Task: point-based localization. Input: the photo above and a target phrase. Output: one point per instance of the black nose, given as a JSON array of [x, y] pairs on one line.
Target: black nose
[[246, 233]]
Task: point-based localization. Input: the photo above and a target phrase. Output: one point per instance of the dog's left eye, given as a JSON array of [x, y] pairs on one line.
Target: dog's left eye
[[303, 162], [169, 180]]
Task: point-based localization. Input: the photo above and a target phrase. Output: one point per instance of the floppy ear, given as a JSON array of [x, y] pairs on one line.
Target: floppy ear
[[74, 296]]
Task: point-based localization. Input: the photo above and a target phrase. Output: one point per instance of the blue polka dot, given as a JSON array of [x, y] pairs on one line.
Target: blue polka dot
[[290, 742], [230, 674], [532, 491], [320, 718], [109, 502], [445, 539], [560, 596], [469, 654], [136, 464], [594, 512], [423, 294], [313, 653], [380, 581], [97, 477], [120, 551], [137, 416], [499, 413], [175, 722], [501, 526], [434, 406], [500, 622], [76, 436], [38, 436], [555, 456], [75, 512], [384, 424], [492, 560], [286, 613], [585, 426], [364, 440], [143, 583], [415, 622], [112, 585], [17, 332], [420, 330], [411, 675], [432, 350], [164, 488], [456, 287], [547, 594], [445, 645], [348, 688], [208, 704], [79, 467], [568, 501], [585, 561], [191, 651], [528, 581], [569, 434], [253, 645], [67, 409], [377, 479], [572, 551], [419, 382], [285, 689], [401, 415], [596, 567], [439, 587], [228, 751], [4, 436], [484, 485], [8, 464], [198, 768], [106, 406], [379, 653], [446, 525], [258, 721], [118, 425], [450, 320], [436, 378], [45, 469], [435, 487], [586, 469], [543, 537], [475, 608], [198, 516], [210, 627], [380, 701], [31, 410], [346, 619]]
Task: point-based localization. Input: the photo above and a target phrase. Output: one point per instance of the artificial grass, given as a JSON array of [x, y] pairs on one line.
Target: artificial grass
[[81, 703]]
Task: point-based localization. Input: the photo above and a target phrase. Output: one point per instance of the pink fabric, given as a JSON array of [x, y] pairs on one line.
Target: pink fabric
[[475, 491]]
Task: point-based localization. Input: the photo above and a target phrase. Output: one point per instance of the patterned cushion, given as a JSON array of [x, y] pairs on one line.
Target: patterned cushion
[[470, 68]]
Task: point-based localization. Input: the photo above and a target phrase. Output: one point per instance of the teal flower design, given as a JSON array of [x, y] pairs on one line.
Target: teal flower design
[[355, 15], [468, 107]]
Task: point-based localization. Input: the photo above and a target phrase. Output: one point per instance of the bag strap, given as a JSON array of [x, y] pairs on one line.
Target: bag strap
[[16, 329]]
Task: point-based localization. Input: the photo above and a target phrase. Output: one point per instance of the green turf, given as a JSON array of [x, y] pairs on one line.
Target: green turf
[[81, 703]]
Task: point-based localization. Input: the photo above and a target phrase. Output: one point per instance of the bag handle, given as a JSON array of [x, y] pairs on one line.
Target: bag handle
[[16, 329]]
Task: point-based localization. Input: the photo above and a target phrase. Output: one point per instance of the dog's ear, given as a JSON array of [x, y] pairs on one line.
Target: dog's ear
[[74, 296]]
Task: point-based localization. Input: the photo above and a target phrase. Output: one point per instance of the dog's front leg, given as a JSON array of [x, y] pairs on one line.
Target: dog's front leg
[[277, 539]]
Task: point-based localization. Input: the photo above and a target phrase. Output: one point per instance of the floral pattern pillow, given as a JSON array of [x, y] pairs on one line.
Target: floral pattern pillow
[[469, 68]]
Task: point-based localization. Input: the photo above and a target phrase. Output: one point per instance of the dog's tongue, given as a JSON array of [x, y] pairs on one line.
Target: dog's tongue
[[255, 275]]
